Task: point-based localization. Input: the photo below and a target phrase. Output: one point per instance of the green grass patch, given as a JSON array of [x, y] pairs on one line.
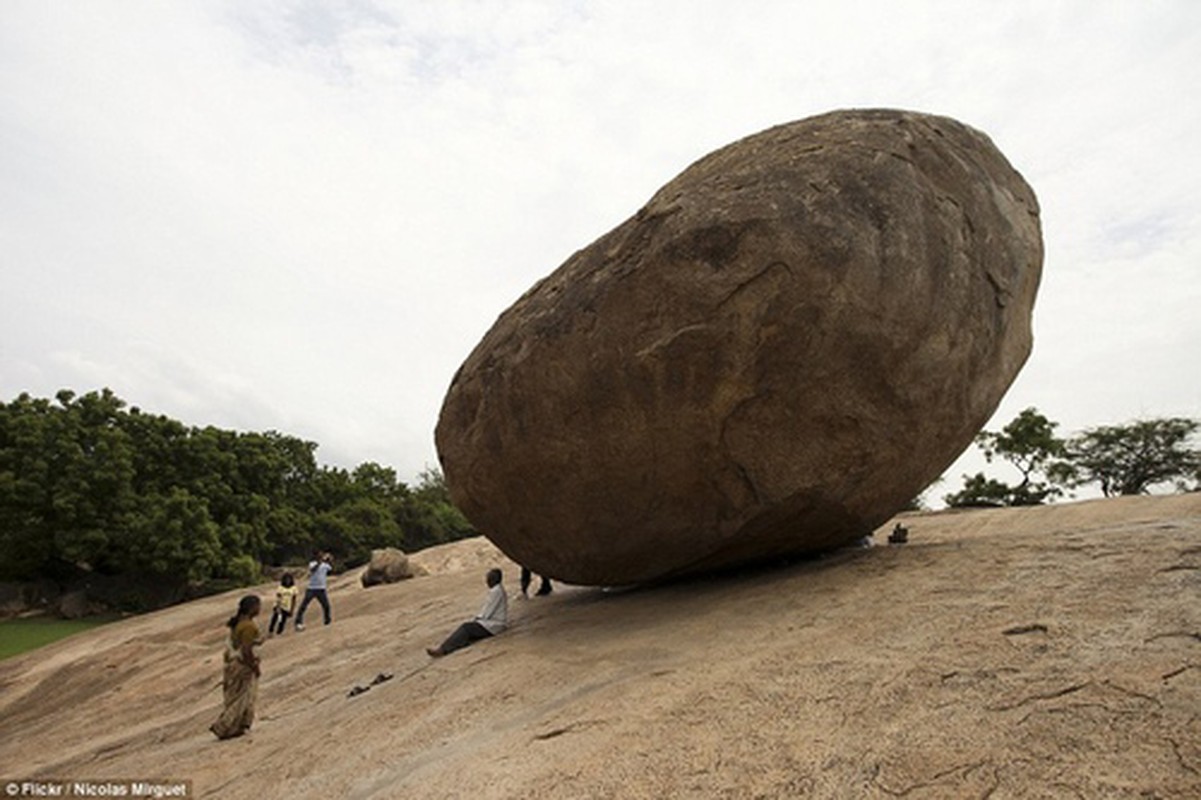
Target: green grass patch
[[22, 635]]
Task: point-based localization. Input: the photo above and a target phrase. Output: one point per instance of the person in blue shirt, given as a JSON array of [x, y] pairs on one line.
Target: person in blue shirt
[[318, 589]]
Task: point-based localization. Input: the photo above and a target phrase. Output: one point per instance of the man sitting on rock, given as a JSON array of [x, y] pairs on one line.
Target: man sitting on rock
[[492, 619]]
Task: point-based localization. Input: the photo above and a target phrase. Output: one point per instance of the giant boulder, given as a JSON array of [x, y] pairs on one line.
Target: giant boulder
[[784, 346]]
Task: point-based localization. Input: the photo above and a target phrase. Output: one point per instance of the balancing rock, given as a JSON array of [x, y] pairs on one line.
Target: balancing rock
[[788, 343]]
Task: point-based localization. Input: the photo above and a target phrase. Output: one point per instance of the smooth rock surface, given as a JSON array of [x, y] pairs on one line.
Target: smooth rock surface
[[1032, 652], [784, 346]]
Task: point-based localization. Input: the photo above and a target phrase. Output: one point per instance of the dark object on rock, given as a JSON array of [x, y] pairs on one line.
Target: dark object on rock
[[1018, 630], [376, 681], [772, 357], [544, 585], [899, 535]]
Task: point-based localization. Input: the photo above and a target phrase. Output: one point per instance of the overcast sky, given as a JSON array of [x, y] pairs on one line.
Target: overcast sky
[[302, 216]]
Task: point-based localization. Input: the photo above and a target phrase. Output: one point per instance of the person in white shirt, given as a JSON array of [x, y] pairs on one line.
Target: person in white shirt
[[492, 619], [318, 589]]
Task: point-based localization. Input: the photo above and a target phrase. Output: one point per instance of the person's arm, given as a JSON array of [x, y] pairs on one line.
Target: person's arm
[[248, 656]]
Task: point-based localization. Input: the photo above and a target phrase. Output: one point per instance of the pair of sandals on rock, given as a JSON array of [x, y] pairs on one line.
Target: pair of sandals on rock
[[378, 679]]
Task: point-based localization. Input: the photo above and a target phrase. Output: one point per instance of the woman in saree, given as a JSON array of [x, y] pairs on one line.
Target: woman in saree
[[241, 681]]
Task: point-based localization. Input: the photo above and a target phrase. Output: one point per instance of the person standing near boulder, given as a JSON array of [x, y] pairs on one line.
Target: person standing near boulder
[[492, 619], [543, 589], [318, 589], [240, 681]]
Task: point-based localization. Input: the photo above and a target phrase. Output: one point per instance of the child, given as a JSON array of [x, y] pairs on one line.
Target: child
[[285, 604]]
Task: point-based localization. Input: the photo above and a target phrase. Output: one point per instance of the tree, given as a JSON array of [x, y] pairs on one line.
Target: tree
[[66, 476], [1130, 459], [174, 537], [375, 481], [430, 517], [979, 490], [1029, 443], [89, 486]]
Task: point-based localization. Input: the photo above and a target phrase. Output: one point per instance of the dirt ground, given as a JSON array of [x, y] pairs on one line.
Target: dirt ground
[[1040, 652]]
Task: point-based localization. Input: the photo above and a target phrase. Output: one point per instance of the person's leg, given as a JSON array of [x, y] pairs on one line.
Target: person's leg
[[525, 581], [240, 687], [283, 620], [545, 588], [275, 612], [463, 635], [308, 598], [323, 599]]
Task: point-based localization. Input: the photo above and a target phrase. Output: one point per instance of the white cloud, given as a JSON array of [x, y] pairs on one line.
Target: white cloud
[[303, 215]]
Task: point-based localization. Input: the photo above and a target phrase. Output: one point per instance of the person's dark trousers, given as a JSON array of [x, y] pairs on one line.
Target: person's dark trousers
[[309, 595], [526, 576], [279, 621], [464, 635]]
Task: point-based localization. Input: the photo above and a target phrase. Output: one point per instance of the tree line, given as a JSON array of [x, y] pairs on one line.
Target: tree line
[[91, 486], [1120, 459]]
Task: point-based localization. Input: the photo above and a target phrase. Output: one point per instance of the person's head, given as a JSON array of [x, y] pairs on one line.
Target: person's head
[[494, 577], [248, 606], [287, 579]]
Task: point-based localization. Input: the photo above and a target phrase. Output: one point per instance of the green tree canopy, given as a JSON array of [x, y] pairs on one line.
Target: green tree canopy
[[1129, 459], [89, 486], [1030, 445], [980, 490]]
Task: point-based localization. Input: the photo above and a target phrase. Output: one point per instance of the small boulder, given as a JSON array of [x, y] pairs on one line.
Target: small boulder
[[387, 565], [74, 605]]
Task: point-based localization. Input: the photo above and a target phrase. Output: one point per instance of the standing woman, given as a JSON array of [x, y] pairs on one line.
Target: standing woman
[[241, 681]]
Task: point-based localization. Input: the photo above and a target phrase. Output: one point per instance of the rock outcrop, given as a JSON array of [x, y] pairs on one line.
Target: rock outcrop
[[784, 346], [1001, 653], [388, 565]]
